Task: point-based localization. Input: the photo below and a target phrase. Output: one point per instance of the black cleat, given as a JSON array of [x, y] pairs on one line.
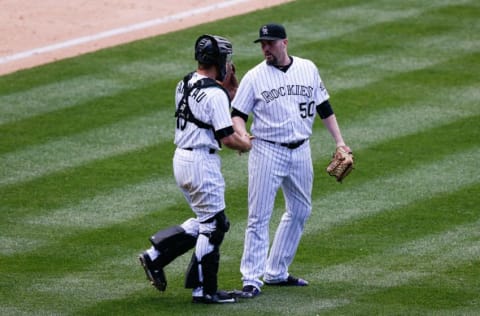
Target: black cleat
[[154, 274], [221, 297], [290, 281], [248, 291]]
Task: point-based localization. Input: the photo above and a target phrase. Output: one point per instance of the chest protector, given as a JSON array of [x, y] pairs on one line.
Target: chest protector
[[183, 110]]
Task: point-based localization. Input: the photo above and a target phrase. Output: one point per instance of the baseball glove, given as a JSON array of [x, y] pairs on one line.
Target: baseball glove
[[341, 164], [230, 82]]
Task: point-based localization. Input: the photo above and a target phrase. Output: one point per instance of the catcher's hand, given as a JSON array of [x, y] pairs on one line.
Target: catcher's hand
[[341, 163], [230, 82]]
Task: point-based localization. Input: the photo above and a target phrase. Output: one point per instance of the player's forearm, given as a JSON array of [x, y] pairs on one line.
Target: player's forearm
[[239, 125], [238, 141], [332, 126]]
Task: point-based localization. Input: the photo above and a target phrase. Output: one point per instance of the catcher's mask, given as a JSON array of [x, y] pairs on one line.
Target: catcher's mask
[[214, 50]]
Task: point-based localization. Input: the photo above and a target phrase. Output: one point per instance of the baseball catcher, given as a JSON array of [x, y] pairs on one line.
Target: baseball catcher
[[341, 164], [203, 126]]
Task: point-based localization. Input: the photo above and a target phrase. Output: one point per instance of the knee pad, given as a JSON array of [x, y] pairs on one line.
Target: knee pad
[[222, 226], [216, 238]]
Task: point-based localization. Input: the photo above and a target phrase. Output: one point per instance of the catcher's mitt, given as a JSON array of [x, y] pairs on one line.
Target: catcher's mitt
[[230, 82], [341, 163]]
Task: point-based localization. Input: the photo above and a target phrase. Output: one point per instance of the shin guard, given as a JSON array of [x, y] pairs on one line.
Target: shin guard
[[192, 276], [210, 264], [171, 243]]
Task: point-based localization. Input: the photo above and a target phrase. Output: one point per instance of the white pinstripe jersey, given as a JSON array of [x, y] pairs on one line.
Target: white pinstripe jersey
[[209, 105], [283, 103]]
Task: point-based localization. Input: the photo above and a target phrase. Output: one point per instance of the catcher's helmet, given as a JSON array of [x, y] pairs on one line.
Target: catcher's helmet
[[214, 50]]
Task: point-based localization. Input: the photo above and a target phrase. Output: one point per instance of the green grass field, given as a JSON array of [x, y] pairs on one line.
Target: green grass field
[[86, 175]]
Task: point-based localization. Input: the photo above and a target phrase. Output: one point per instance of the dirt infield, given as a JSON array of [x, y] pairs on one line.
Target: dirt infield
[[39, 32]]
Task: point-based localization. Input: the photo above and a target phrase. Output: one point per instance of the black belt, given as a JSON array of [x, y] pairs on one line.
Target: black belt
[[288, 145], [210, 150]]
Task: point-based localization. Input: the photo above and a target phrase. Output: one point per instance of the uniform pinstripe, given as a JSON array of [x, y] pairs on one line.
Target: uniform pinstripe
[[203, 125], [197, 172], [209, 105], [283, 105]]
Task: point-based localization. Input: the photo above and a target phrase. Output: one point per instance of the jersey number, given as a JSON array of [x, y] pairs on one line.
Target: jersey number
[[307, 109], [181, 123]]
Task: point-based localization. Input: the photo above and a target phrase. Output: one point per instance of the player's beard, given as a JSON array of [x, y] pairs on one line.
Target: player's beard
[[271, 59]]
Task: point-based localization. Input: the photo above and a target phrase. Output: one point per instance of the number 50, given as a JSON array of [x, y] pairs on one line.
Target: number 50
[[307, 109]]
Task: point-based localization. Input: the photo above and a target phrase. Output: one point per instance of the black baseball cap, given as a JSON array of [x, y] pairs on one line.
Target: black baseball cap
[[271, 32]]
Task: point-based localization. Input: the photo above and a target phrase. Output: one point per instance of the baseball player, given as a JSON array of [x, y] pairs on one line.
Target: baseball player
[[203, 124], [283, 93]]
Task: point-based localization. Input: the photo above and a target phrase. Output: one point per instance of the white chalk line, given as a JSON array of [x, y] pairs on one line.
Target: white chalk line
[[118, 31]]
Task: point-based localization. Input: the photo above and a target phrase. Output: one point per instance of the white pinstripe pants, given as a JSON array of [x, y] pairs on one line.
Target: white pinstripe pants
[[271, 167]]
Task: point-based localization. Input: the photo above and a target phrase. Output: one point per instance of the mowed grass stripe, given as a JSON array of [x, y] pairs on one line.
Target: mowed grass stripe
[[376, 275], [456, 246], [331, 258], [81, 91], [411, 267], [95, 114], [396, 190], [27, 164], [92, 269], [132, 277], [118, 206], [365, 271], [29, 158], [36, 161], [340, 19], [379, 127], [140, 199], [55, 96], [372, 197], [399, 51], [76, 90], [100, 143], [386, 125], [350, 73]]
